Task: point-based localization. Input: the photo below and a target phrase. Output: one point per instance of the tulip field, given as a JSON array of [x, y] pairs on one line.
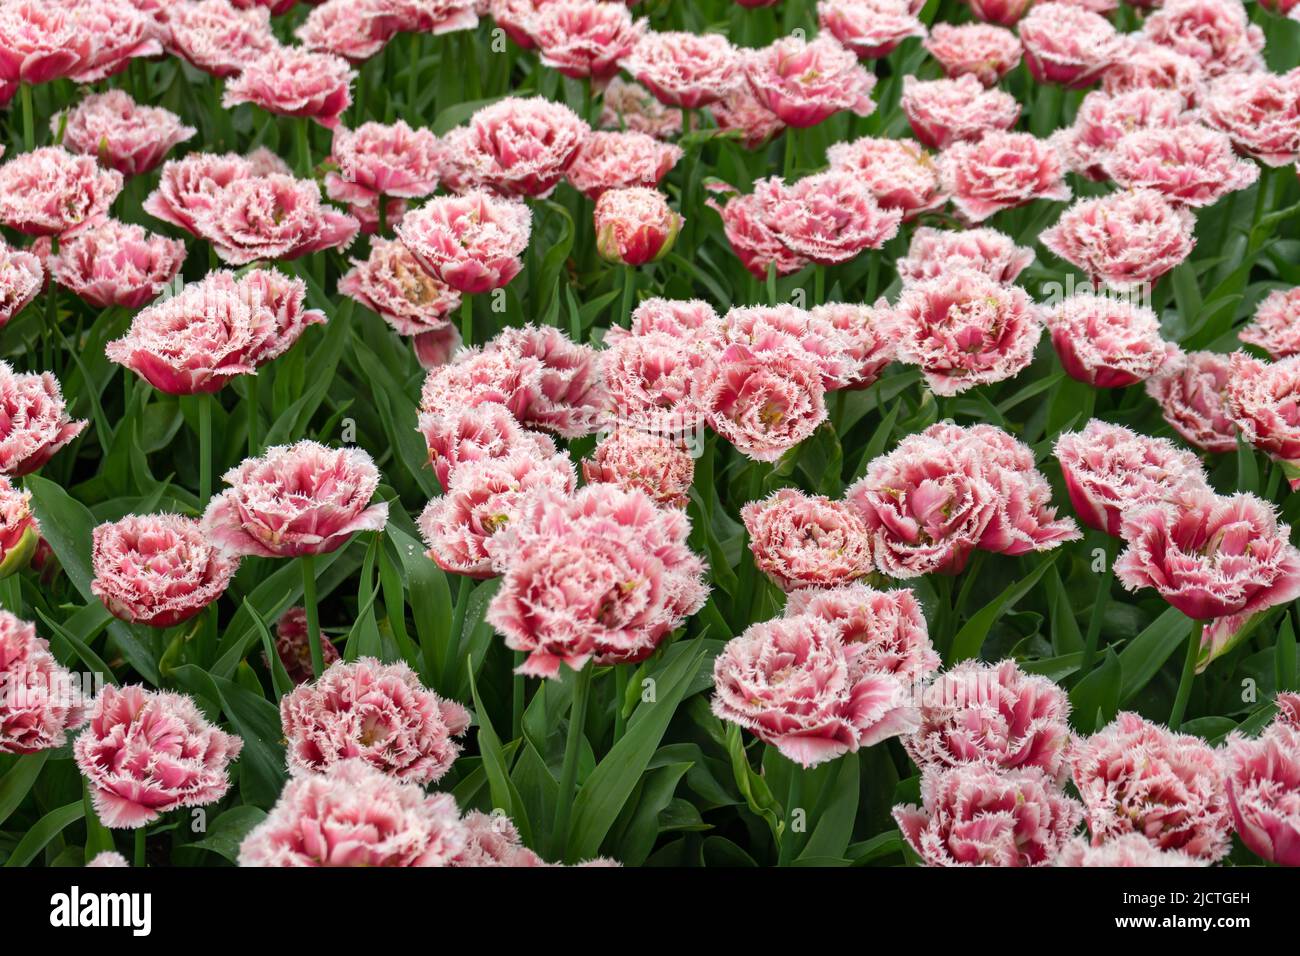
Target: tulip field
[[538, 433]]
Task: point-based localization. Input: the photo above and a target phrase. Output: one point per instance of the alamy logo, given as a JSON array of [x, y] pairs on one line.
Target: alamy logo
[[74, 909]]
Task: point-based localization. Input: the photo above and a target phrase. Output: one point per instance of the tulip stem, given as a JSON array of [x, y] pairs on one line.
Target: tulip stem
[[413, 73], [620, 699], [572, 750], [771, 283], [1188, 675], [629, 296], [517, 698], [11, 594], [466, 319], [205, 448], [304, 147], [383, 216], [313, 615], [788, 167], [793, 797], [1102, 598], [139, 848], [29, 128], [819, 285]]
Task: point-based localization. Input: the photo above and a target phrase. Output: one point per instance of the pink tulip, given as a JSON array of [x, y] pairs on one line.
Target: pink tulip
[[21, 278], [39, 42], [831, 217], [1259, 397], [1069, 45], [995, 715], [1260, 112], [1275, 326], [634, 226], [978, 816], [272, 217], [619, 161], [112, 263], [122, 134], [294, 82], [655, 381], [981, 50], [1110, 470], [806, 81], [50, 192], [118, 33], [742, 112], [487, 431], [751, 226], [1217, 34], [377, 712], [602, 575], [943, 112], [1210, 555], [355, 30], [296, 500], [472, 242], [966, 329], [935, 253], [1138, 777], [40, 701], [1106, 342], [1149, 65], [1001, 171], [392, 284], [376, 160], [34, 423], [888, 625], [583, 38], [794, 684], [293, 646], [1002, 12], [515, 147], [189, 189], [1188, 164], [685, 70], [1263, 783], [1104, 119], [806, 541], [145, 753], [899, 172], [354, 815], [1190, 389], [635, 460], [157, 570], [1124, 239], [1127, 849], [764, 403], [492, 839], [870, 28], [218, 38], [483, 498], [631, 107]]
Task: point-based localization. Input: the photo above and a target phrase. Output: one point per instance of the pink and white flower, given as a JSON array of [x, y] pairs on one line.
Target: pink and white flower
[[935, 253], [1263, 783], [1190, 389], [584, 38], [1260, 397], [119, 132], [1110, 469], [995, 715], [899, 172], [1138, 777], [392, 284], [794, 684], [602, 575], [1123, 240], [471, 242], [218, 37], [634, 226], [1127, 849], [459, 434], [379, 713], [981, 50], [517, 147], [52, 192], [1066, 44], [1149, 65], [157, 570], [1106, 118], [619, 161], [685, 70], [806, 81], [296, 500], [355, 815], [34, 422], [629, 106], [21, 278], [870, 28], [376, 160], [293, 646], [806, 541], [1187, 164], [40, 700], [1260, 112], [973, 815], [112, 263], [1275, 327], [294, 82], [272, 217], [1105, 341], [145, 753], [1217, 34], [965, 329], [635, 460], [1001, 171], [943, 112], [764, 403]]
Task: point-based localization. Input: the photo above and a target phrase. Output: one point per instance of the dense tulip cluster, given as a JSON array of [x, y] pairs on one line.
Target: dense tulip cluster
[[649, 433]]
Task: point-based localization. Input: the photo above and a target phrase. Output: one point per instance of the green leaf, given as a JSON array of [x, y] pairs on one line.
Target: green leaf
[[46, 829], [1284, 656], [281, 682], [20, 779], [971, 637], [835, 812], [1143, 657], [606, 790], [228, 831], [430, 597], [1095, 700], [497, 768]]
